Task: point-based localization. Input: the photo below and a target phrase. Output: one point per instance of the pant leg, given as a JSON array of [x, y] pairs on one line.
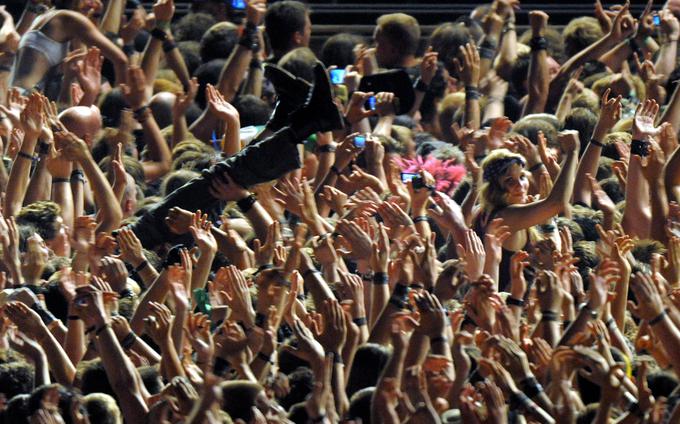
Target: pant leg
[[258, 163]]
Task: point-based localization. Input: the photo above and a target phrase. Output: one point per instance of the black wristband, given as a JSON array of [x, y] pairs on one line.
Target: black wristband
[[549, 316], [169, 45], [221, 366], [538, 43], [327, 148], [159, 34], [126, 293], [57, 180], [337, 358], [335, 170], [44, 148], [246, 204], [380, 278], [265, 358], [597, 143], [397, 302], [471, 93], [360, 321], [99, 330], [128, 340], [25, 155], [73, 317], [420, 218], [129, 49], [530, 386], [486, 52], [439, 339], [400, 290], [535, 167], [511, 301], [519, 400], [139, 114], [77, 173], [45, 315], [255, 63], [657, 319], [141, 266]]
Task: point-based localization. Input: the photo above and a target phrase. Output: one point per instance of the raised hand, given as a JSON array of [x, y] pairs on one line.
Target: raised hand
[[32, 117], [468, 65], [89, 74], [643, 122], [135, 90], [473, 253], [183, 100], [201, 232], [219, 107]]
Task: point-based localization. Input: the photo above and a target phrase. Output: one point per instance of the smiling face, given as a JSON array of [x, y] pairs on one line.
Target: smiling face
[[515, 182]]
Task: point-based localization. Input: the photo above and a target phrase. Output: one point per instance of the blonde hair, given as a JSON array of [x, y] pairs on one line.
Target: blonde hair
[[493, 195]]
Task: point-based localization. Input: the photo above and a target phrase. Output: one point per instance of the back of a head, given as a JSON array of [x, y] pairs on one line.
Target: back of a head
[[580, 33], [102, 409], [238, 398], [16, 378], [282, 20], [300, 62], [402, 30], [446, 39], [252, 110], [369, 361], [339, 50], [207, 73], [192, 26], [218, 41], [360, 405]]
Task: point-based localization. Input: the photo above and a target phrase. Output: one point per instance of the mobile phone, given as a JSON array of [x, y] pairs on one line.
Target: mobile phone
[[656, 19], [407, 176], [640, 148], [360, 141], [238, 4], [418, 182], [202, 301], [337, 76], [370, 103]]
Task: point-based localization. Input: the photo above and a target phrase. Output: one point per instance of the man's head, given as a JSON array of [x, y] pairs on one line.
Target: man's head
[[287, 26], [83, 121], [396, 39], [218, 41]]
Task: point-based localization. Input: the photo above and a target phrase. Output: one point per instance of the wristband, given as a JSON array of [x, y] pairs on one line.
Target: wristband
[[37, 9], [327, 148], [43, 148], [548, 228], [169, 45], [519, 400], [508, 27], [25, 155], [658, 318], [368, 276], [511, 301], [611, 322], [597, 143], [77, 173], [249, 38], [400, 290], [397, 302], [265, 358], [140, 114], [535, 167], [335, 170], [486, 52], [221, 366], [45, 315], [163, 25], [421, 218], [125, 293], [73, 317], [57, 180], [141, 266], [246, 204], [549, 316], [337, 358], [471, 93], [360, 321], [380, 278], [421, 86], [129, 49], [128, 340], [255, 63], [538, 43], [260, 319], [158, 33]]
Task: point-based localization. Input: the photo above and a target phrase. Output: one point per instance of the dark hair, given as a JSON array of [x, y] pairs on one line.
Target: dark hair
[[177, 179], [43, 216], [300, 62], [93, 378], [401, 30], [55, 301], [519, 74], [191, 53], [583, 121], [369, 361], [338, 50], [110, 107], [207, 73], [360, 405], [238, 398], [446, 39], [192, 26], [67, 395], [301, 382], [16, 410], [282, 20], [662, 383], [613, 188], [218, 41], [16, 378], [252, 110]]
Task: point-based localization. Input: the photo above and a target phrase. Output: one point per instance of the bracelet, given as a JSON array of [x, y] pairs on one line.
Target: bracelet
[[658, 318], [128, 340], [129, 49], [255, 63], [439, 339], [400, 290], [471, 93], [337, 358], [380, 278], [102, 328], [511, 301], [535, 167], [264, 357], [421, 86], [508, 27], [538, 43], [548, 228], [360, 321], [25, 155], [249, 38], [368, 276], [335, 170], [397, 302], [549, 316], [530, 386], [421, 218], [73, 318], [597, 143], [486, 52], [158, 33], [611, 322], [327, 148], [5, 68], [45, 315], [77, 173], [141, 266], [246, 204], [140, 114], [169, 45], [58, 180]]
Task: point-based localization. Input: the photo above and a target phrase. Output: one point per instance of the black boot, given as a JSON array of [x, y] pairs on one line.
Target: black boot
[[319, 113], [291, 92]]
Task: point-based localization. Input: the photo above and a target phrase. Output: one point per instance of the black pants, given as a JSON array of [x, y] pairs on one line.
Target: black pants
[[263, 161]]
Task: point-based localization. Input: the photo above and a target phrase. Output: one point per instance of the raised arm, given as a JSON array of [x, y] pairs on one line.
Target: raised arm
[[519, 217], [539, 78], [469, 72]]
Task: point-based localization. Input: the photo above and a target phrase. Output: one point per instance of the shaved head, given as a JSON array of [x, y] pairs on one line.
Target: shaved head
[[83, 121]]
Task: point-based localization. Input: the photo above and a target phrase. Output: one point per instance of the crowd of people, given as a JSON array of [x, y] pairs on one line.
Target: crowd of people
[[205, 221]]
